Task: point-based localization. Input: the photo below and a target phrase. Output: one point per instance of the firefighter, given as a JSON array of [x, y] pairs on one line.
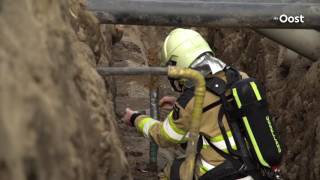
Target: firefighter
[[186, 48]]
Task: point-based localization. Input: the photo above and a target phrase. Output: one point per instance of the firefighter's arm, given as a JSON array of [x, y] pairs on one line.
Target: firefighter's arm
[[174, 129]]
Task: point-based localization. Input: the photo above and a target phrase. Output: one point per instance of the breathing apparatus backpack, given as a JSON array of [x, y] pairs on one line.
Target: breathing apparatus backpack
[[258, 150]]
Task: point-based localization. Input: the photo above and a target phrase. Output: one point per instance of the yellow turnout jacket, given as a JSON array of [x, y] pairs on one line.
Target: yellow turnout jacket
[[174, 129]]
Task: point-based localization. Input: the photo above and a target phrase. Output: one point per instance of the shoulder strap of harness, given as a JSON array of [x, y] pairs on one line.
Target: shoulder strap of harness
[[218, 86], [232, 75]]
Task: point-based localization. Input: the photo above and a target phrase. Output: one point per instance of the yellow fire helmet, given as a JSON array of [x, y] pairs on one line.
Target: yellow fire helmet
[[182, 47]]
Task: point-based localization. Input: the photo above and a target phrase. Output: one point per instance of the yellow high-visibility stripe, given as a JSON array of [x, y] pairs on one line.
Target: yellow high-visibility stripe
[[254, 142], [205, 166], [236, 97], [171, 132], [220, 137], [219, 142], [145, 124], [173, 126], [202, 170], [169, 138], [255, 90]]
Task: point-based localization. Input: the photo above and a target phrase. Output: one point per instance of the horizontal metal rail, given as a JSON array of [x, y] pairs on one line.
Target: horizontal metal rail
[[107, 71], [206, 13]]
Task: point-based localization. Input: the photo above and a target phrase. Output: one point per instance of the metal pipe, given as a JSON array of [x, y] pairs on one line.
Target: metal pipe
[[108, 71], [199, 93], [205, 13], [154, 113], [154, 106], [302, 41]]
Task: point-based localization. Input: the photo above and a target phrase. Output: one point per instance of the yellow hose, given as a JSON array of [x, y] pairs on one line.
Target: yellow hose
[[199, 93]]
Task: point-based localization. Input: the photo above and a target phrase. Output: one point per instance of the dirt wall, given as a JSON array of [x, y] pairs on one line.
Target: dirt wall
[[56, 112]]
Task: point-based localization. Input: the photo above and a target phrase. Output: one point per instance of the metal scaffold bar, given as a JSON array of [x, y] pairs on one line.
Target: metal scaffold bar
[[205, 13], [154, 113], [108, 71]]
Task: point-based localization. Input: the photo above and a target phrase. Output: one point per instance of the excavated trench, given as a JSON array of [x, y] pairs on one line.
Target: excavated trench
[[60, 120], [292, 83]]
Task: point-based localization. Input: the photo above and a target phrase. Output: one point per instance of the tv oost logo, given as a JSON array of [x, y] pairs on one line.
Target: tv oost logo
[[283, 18]]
